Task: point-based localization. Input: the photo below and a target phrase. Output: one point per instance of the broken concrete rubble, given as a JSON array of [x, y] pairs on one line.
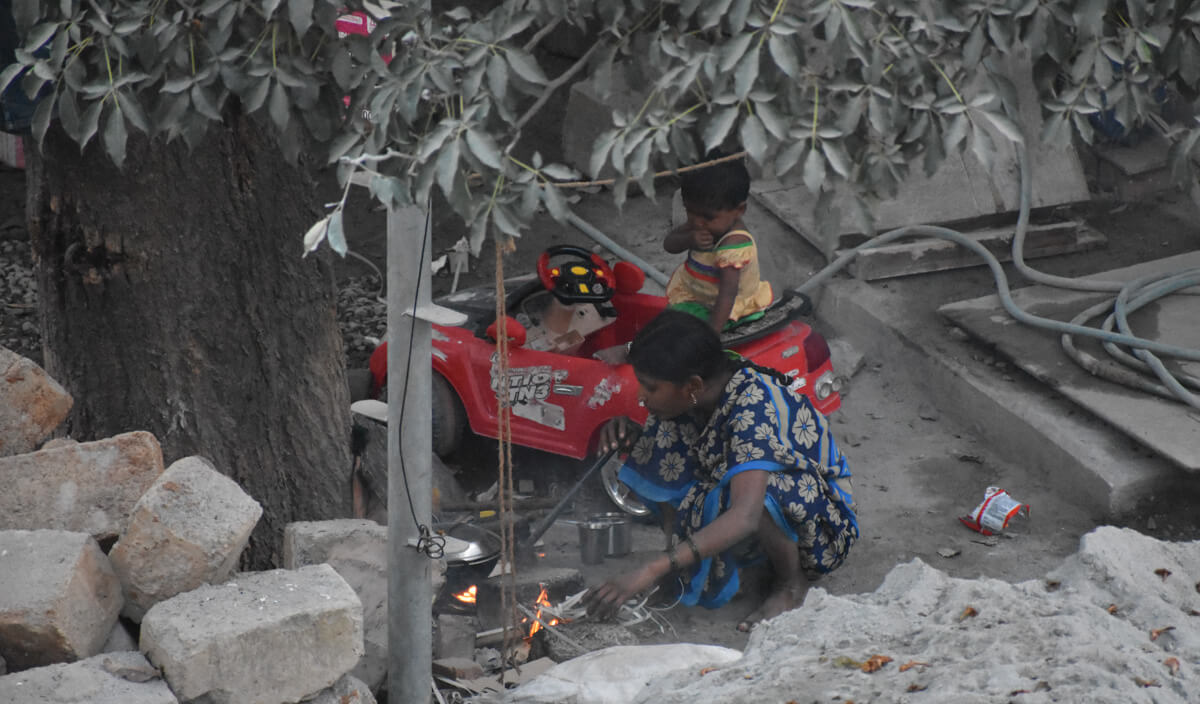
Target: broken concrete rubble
[[357, 550], [113, 678], [32, 404], [347, 690], [186, 530], [88, 487], [276, 636], [59, 597], [1113, 623]]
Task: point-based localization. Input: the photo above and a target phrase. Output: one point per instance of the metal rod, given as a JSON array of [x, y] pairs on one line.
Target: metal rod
[[548, 520], [607, 242]]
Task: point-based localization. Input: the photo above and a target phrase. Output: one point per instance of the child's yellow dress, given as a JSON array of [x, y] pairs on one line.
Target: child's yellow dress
[[694, 285]]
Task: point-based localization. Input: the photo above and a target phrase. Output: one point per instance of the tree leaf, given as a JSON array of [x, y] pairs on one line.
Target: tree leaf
[[733, 51], [316, 233], [836, 154], [68, 114], [483, 146], [556, 205], [300, 15], [41, 118], [784, 55], [754, 138], [814, 171], [746, 74], [524, 65], [1005, 126], [89, 123], [447, 165], [718, 127], [788, 157], [277, 107], [335, 235], [560, 172], [256, 95], [600, 148], [115, 136], [983, 147], [497, 77], [9, 74]]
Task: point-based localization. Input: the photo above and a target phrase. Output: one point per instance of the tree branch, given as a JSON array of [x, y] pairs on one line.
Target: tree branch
[[556, 84]]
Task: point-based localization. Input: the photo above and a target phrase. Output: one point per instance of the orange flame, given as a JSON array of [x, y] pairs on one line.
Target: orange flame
[[467, 596], [543, 599]]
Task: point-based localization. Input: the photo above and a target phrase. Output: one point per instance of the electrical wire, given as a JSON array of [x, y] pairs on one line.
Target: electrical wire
[[432, 546]]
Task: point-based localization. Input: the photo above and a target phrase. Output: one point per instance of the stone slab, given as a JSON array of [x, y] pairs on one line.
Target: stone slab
[[267, 637], [187, 529], [112, 678], [926, 255], [88, 487], [32, 404], [1040, 430], [59, 597], [1168, 428], [357, 550], [976, 192]]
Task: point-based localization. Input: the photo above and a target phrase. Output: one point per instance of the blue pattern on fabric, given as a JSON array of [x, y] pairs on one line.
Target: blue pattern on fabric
[[759, 424]]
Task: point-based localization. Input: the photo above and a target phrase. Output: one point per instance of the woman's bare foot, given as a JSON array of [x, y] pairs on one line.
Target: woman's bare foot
[[783, 599]]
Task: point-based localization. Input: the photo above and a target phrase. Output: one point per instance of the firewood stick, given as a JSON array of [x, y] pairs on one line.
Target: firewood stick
[[551, 629]]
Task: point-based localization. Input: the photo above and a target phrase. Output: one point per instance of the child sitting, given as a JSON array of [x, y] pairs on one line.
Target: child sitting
[[719, 281]]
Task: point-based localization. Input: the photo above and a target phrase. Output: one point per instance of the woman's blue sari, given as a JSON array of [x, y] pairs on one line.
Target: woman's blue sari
[[759, 424]]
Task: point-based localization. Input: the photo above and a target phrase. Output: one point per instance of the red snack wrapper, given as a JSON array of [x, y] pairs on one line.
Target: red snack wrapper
[[992, 515]]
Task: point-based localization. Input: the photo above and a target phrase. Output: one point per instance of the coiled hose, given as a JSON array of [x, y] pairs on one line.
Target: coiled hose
[[1130, 296]]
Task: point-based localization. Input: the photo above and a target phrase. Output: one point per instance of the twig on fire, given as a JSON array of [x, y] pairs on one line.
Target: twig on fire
[[551, 629]]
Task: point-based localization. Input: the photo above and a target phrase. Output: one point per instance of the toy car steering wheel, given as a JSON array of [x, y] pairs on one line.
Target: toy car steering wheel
[[586, 278]]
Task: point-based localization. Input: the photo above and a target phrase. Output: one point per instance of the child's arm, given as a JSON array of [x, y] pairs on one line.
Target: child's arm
[[727, 288], [728, 278], [685, 237]]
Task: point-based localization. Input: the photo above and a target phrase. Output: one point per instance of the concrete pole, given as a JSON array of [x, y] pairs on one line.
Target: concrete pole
[[410, 446]]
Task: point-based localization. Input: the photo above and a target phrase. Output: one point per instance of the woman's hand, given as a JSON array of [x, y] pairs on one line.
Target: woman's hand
[[618, 433], [605, 600]]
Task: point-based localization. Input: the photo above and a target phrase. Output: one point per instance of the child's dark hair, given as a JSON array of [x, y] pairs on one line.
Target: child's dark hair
[[725, 185], [676, 345]]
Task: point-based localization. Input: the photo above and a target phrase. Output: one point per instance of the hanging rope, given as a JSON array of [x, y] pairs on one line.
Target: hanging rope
[[508, 569]]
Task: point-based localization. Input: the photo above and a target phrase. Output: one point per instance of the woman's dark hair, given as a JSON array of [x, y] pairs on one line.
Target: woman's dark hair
[[725, 185], [676, 345]]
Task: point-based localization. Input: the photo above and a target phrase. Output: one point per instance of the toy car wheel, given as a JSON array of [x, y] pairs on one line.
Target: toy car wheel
[[449, 418], [620, 494]]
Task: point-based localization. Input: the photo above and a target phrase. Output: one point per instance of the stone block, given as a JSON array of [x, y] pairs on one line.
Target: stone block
[[188, 529], [348, 690], [267, 637], [458, 668], [32, 404], [89, 487], [113, 678], [357, 550], [455, 636], [59, 597]]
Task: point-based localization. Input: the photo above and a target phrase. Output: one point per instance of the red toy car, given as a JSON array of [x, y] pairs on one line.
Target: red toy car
[[562, 322]]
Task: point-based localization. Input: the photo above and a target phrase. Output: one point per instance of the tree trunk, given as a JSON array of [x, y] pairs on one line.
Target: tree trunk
[[174, 299]]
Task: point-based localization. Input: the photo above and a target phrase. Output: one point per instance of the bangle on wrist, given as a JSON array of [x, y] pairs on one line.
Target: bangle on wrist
[[695, 550], [673, 560]]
